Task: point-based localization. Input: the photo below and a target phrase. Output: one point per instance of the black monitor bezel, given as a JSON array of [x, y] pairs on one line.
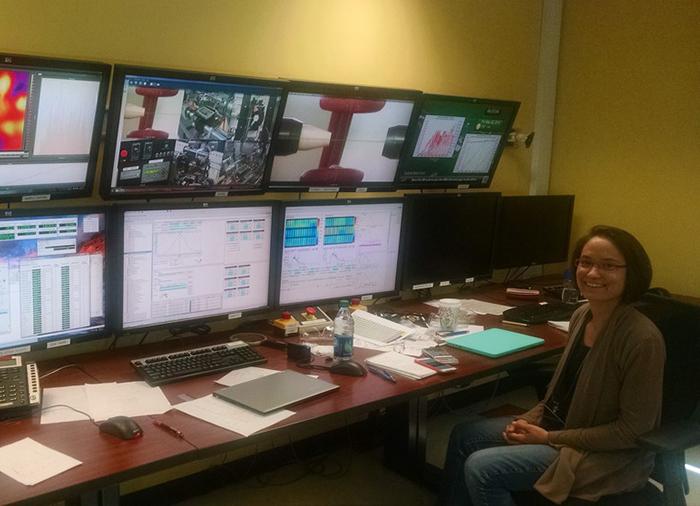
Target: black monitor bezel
[[414, 131], [88, 335], [118, 263], [408, 238], [334, 202], [497, 264], [348, 91], [118, 78], [40, 62]]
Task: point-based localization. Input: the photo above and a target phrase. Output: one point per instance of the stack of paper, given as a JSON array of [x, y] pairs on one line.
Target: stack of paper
[[400, 364], [561, 325]]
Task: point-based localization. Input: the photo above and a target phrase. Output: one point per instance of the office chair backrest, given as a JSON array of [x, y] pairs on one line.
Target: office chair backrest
[[679, 322]]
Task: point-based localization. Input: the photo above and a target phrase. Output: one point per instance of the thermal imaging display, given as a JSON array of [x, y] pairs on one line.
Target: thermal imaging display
[[456, 141], [338, 136], [189, 133], [52, 276], [50, 120]]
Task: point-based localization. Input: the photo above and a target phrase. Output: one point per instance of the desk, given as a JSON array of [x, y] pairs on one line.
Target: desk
[[108, 461]]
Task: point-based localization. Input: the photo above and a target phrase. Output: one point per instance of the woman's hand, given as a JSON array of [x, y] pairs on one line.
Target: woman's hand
[[522, 432]]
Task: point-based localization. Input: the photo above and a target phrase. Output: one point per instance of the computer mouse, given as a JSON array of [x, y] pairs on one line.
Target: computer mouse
[[122, 427], [348, 368]]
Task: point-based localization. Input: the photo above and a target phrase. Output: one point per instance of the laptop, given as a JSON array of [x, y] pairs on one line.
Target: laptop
[[275, 391], [494, 342]]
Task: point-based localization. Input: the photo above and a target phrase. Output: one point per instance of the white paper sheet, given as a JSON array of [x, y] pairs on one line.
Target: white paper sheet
[[135, 398], [561, 325], [477, 306], [239, 376], [30, 462], [230, 416], [74, 396]]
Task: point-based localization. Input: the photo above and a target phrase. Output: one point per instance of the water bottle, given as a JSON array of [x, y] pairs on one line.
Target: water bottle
[[569, 293], [343, 331]]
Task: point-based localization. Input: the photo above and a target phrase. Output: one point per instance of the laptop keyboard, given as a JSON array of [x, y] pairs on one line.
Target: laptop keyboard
[[169, 367]]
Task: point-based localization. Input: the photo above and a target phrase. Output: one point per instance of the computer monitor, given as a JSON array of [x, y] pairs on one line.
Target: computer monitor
[[456, 142], [183, 264], [339, 137], [52, 277], [448, 238], [180, 133], [532, 230], [50, 124], [337, 249]]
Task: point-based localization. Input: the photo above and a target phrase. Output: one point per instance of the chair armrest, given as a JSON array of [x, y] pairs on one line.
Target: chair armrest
[[672, 437]]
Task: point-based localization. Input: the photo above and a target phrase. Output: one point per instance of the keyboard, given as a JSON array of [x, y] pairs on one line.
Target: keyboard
[[375, 328], [540, 313], [169, 367]]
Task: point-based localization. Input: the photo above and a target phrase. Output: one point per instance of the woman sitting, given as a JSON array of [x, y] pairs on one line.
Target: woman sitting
[[579, 441]]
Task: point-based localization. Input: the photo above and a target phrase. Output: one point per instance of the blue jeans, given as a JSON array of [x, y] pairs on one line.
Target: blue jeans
[[481, 469]]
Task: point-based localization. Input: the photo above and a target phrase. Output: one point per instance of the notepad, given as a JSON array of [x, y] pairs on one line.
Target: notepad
[[400, 364], [494, 342]]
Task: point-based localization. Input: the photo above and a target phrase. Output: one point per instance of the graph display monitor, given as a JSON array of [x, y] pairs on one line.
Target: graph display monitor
[[533, 230], [448, 238], [192, 263], [52, 277], [456, 142], [340, 248], [340, 137], [181, 133], [50, 124]]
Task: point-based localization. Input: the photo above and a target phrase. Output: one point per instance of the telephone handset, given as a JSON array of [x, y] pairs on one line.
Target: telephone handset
[[19, 387]]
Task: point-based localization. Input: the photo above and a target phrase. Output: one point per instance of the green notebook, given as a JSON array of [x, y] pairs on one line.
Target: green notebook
[[494, 342]]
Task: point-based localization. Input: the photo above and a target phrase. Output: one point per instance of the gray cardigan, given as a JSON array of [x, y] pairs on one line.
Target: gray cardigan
[[617, 398]]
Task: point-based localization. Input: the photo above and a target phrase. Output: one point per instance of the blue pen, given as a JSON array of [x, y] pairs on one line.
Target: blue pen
[[382, 373]]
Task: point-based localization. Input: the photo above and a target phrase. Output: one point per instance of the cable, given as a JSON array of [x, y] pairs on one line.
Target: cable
[[66, 367], [74, 409], [143, 338]]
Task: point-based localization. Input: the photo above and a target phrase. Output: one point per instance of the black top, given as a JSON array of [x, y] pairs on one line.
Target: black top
[[557, 407]]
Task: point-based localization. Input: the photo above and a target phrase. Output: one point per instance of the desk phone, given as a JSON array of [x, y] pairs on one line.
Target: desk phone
[[19, 387]]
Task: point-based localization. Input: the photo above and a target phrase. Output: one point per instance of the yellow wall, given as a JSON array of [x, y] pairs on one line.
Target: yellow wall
[[475, 48], [627, 127]]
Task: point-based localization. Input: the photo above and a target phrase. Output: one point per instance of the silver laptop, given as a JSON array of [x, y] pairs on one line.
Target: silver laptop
[[275, 391]]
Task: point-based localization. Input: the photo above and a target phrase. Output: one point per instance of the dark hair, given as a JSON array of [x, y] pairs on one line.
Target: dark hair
[[638, 272]]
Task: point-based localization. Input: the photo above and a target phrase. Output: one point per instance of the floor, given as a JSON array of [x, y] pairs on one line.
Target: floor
[[357, 477]]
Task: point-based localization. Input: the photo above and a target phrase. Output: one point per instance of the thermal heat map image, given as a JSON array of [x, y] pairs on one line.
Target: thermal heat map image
[[14, 88]]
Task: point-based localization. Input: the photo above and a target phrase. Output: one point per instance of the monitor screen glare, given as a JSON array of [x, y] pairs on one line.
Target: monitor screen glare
[[335, 251], [179, 136], [335, 141], [456, 141], [52, 277], [187, 264], [50, 121]]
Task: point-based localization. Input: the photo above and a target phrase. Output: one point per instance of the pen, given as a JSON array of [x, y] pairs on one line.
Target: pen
[[514, 323], [382, 373], [453, 334], [169, 428]]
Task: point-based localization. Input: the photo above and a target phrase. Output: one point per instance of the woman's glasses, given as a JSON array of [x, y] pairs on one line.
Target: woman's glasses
[[587, 265]]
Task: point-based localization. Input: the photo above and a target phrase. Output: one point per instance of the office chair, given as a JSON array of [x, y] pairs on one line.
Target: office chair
[[679, 323]]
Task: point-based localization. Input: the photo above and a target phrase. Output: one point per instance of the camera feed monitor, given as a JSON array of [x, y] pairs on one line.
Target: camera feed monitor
[[176, 133], [533, 229], [50, 123], [52, 277], [182, 264], [449, 238], [339, 249], [334, 137], [456, 142]]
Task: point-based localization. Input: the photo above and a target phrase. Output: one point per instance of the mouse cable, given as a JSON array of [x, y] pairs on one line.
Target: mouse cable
[[67, 366], [74, 409]]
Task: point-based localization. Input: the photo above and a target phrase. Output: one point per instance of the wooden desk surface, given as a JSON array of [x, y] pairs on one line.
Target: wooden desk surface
[[107, 460]]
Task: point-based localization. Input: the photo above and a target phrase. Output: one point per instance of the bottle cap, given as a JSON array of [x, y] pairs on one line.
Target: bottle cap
[[343, 303]]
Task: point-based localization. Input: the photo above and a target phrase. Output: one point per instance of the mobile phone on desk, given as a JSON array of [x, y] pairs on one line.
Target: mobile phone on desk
[[440, 367]]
